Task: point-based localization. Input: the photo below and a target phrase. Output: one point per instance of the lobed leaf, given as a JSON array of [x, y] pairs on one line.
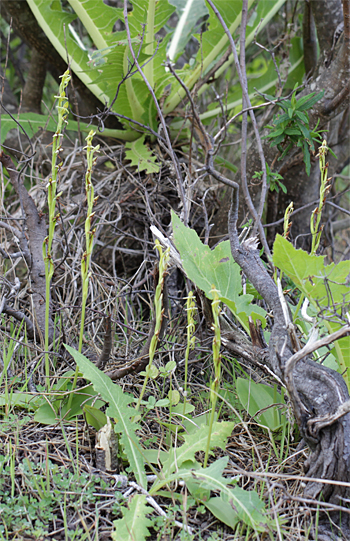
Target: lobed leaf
[[134, 524], [118, 408]]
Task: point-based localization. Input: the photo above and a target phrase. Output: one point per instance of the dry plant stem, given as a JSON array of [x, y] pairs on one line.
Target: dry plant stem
[[256, 215], [161, 117]]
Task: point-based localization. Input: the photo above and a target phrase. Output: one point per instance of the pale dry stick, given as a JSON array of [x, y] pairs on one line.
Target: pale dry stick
[[161, 117], [256, 215], [158, 509]]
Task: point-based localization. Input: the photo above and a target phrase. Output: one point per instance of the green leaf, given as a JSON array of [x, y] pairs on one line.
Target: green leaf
[[257, 396], [298, 264], [197, 441], [324, 285], [246, 503], [33, 122], [134, 524], [225, 163], [307, 159], [302, 116], [189, 13], [207, 267], [118, 408], [54, 20], [307, 104], [141, 156], [95, 417], [46, 414], [223, 511], [22, 400]]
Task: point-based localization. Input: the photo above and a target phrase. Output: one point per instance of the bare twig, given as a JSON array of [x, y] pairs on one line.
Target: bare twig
[[256, 215]]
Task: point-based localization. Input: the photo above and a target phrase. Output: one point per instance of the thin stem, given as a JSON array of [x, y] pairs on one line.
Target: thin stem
[[256, 215]]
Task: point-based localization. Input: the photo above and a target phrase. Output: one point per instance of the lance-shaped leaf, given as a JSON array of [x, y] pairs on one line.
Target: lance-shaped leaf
[[118, 408]]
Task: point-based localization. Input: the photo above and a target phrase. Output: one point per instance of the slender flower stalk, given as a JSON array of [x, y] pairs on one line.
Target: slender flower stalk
[[159, 310], [191, 340], [62, 110], [89, 241], [214, 387], [325, 187], [89, 231]]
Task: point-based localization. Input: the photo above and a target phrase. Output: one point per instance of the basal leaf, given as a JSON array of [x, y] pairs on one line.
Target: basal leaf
[[134, 524], [206, 267], [118, 408], [257, 396], [246, 503], [197, 441], [141, 156]]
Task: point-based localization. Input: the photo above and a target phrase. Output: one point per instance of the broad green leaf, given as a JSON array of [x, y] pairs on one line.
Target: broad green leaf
[[141, 156], [324, 285], [33, 122], [47, 414], [249, 508], [297, 264], [197, 441], [189, 12], [22, 400], [94, 417], [255, 397], [118, 408], [222, 510], [134, 524], [207, 267]]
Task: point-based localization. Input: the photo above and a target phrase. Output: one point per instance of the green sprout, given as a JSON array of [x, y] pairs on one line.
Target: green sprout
[[191, 340]]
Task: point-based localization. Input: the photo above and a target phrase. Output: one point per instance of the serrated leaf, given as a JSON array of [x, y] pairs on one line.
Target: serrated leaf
[[118, 408], [207, 267], [246, 503], [141, 156], [197, 441], [134, 524]]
